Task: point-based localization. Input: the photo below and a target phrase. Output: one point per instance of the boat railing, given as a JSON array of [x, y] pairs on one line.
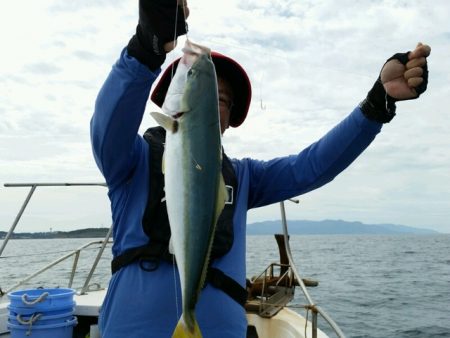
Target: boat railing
[[272, 290], [75, 253], [289, 275], [315, 309]]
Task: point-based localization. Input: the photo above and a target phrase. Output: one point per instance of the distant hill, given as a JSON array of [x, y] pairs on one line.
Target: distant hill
[[332, 227], [82, 233], [296, 227]]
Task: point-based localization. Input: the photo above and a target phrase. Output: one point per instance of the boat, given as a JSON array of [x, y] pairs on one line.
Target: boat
[[269, 308]]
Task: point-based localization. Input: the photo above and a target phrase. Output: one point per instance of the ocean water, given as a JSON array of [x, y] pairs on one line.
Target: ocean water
[[372, 286]]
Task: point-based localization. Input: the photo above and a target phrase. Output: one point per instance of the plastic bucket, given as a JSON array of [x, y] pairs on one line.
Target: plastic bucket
[[55, 310], [40, 318], [60, 330], [41, 300]]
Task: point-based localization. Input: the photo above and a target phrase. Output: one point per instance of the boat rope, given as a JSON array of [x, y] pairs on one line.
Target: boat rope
[[313, 309], [295, 306], [41, 298]]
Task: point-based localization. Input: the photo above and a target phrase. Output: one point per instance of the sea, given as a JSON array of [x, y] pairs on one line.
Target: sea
[[371, 285]]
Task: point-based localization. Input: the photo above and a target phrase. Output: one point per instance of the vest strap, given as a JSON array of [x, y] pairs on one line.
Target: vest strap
[[149, 257], [227, 284]]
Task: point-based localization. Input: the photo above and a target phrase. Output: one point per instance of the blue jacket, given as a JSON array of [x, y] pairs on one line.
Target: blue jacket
[[147, 304]]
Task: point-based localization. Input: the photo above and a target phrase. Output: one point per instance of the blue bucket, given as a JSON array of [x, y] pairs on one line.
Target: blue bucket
[[41, 300], [56, 310], [59, 330], [40, 318]]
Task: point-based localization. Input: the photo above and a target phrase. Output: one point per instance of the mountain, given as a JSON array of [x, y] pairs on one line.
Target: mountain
[[296, 227], [82, 233], [332, 227]]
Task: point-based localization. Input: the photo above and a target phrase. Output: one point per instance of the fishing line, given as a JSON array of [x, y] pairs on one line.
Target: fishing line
[[176, 289], [306, 67], [184, 6], [185, 17], [263, 106], [174, 37], [286, 58]]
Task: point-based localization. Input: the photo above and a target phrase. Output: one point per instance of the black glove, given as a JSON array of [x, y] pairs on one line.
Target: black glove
[[157, 22], [378, 105]]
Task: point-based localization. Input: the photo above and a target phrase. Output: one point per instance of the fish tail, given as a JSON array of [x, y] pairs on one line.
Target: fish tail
[[182, 331]]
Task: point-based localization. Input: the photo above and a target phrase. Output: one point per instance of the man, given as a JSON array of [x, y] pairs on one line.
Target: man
[[143, 298]]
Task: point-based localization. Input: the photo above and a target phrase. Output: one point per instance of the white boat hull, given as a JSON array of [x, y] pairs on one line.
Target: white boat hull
[[285, 324]]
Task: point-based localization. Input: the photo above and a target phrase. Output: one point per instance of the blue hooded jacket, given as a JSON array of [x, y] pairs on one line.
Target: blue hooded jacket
[[147, 304]]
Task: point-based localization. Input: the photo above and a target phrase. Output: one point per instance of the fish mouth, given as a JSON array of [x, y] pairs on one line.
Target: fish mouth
[[177, 115]]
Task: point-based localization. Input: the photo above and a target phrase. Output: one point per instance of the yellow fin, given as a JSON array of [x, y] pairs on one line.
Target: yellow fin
[[181, 331], [222, 197], [163, 162], [165, 121]]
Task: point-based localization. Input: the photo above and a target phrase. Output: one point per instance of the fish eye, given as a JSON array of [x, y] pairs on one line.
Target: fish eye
[[192, 72]]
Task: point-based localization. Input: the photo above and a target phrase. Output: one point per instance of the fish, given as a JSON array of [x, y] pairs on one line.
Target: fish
[[194, 185]]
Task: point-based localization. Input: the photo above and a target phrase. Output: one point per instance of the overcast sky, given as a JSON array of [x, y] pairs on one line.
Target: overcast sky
[[310, 62]]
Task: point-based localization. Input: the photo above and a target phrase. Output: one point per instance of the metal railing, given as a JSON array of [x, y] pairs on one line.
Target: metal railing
[[276, 290], [315, 309], [33, 187], [75, 253]]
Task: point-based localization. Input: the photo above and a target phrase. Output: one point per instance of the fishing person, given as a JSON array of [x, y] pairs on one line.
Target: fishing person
[[144, 296]]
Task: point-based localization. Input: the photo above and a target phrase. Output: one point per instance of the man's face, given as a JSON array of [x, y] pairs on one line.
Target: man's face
[[225, 103]]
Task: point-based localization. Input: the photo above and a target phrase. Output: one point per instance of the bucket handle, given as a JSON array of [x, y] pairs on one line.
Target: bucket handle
[[29, 322], [41, 298]]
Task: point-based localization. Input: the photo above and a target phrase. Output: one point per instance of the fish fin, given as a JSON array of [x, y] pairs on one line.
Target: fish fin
[[222, 197], [182, 331], [165, 121]]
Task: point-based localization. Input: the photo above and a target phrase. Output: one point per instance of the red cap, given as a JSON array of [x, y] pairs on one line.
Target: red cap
[[226, 68]]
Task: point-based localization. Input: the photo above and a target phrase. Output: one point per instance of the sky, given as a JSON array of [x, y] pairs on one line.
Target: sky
[[310, 63]]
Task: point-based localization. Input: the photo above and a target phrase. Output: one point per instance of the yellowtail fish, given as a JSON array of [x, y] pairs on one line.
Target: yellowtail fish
[[194, 186]]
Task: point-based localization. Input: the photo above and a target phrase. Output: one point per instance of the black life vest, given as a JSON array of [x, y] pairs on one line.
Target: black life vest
[[156, 226]]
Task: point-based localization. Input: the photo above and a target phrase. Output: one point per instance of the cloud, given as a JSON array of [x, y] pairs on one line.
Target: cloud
[[42, 68], [79, 5], [310, 63], [85, 55]]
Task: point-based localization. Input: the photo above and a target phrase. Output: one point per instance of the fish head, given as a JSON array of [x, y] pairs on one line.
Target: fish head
[[201, 87]]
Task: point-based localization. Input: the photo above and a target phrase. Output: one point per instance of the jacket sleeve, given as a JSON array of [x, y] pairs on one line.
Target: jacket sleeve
[[119, 109], [285, 177]]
